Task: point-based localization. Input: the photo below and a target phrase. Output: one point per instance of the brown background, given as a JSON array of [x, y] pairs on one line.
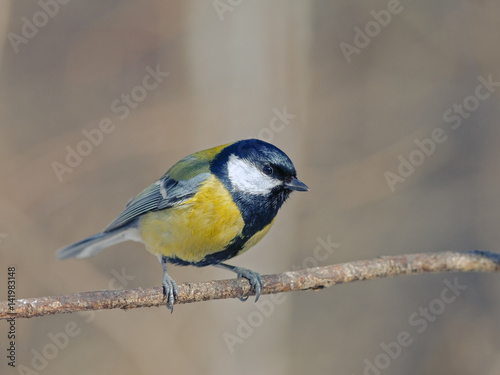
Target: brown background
[[227, 75]]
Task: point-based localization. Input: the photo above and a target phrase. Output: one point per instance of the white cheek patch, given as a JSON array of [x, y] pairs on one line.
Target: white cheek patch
[[247, 178]]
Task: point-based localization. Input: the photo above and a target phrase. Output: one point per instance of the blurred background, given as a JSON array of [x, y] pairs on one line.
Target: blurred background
[[388, 109]]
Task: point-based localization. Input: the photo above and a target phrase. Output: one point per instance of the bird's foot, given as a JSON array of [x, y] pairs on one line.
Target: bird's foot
[[253, 278], [170, 291]]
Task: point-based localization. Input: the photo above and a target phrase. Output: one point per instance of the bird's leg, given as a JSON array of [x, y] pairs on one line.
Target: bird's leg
[[170, 291], [253, 277]]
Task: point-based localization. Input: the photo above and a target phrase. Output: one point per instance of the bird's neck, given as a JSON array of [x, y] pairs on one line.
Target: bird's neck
[[258, 211]]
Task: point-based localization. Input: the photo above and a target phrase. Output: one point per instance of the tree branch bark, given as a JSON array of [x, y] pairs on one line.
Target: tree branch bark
[[308, 279]]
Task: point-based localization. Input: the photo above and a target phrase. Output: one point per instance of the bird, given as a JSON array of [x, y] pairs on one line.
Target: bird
[[207, 208]]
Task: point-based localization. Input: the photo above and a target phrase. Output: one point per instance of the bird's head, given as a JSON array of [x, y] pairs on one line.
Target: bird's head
[[254, 168]]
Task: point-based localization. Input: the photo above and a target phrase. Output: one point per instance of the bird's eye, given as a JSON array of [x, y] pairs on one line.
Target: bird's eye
[[267, 170]]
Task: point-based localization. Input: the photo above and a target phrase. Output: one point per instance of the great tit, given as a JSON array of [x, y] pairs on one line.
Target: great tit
[[207, 208]]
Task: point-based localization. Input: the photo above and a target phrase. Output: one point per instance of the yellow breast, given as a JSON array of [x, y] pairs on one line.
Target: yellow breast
[[202, 225]]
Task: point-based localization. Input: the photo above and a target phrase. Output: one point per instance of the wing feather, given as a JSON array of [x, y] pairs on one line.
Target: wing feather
[[167, 192]]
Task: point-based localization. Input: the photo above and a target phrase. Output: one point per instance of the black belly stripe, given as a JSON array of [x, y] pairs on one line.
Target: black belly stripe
[[229, 252]]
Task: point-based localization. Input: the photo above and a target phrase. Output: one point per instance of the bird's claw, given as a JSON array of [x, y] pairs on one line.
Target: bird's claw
[[170, 291], [254, 279]]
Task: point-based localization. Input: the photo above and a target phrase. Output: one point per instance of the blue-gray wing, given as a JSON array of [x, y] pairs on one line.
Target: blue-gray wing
[[165, 193]]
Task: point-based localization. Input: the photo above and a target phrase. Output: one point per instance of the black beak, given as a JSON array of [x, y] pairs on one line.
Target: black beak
[[296, 185]]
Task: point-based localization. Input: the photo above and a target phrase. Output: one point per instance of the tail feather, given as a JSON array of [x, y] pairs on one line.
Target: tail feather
[[98, 242]]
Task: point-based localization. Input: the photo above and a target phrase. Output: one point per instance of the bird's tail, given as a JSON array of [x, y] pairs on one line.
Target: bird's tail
[[98, 242]]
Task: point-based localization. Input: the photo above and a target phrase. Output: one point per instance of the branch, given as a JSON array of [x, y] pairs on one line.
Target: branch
[[308, 279]]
